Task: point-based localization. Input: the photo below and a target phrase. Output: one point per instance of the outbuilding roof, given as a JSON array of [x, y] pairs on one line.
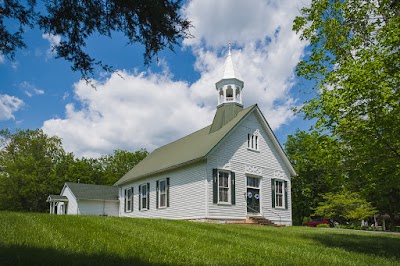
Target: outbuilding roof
[[93, 192]]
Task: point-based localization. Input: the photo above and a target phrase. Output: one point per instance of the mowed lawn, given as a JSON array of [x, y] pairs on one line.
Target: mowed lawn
[[43, 239]]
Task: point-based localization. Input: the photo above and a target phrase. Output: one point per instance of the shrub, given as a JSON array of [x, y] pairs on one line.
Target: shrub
[[323, 225]]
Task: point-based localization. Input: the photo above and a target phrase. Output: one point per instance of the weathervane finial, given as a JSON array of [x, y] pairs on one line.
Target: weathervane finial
[[229, 48]]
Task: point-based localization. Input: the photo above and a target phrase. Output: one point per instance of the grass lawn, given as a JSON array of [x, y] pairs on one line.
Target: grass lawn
[[43, 239]]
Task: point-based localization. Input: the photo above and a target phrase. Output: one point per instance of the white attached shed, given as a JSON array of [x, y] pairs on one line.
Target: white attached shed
[[85, 199]]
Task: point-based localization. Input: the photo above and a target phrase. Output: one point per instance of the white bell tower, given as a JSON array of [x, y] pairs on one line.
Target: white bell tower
[[230, 87]]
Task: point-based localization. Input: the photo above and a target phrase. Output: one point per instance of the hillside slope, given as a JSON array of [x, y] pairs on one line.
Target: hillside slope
[[43, 239]]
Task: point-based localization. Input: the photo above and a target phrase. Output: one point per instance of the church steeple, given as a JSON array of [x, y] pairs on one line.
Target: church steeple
[[230, 87], [229, 90]]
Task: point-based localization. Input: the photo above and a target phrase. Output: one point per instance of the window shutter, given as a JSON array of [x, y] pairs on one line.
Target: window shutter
[[167, 191], [148, 196], [157, 194], [132, 197], [125, 200], [273, 192], [215, 186], [286, 195], [233, 199], [140, 198]]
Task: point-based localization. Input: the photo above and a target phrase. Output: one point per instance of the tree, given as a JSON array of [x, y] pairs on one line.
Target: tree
[[317, 161], [355, 63], [345, 206], [119, 163], [28, 161], [157, 24]]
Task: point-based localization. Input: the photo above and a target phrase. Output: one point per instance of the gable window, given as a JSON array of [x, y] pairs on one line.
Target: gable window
[[279, 194], [129, 199], [223, 187], [144, 200], [252, 141], [162, 188]]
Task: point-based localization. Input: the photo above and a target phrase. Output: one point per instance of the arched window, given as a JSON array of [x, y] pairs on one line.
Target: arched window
[[229, 94], [237, 94], [221, 95]]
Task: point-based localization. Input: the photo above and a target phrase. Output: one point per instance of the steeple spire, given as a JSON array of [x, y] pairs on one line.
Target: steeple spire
[[230, 70], [229, 90], [230, 86]]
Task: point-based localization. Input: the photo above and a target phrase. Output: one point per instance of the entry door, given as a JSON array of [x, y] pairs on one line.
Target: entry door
[[253, 195]]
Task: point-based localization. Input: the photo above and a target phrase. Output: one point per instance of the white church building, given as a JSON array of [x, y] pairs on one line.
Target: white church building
[[231, 170]]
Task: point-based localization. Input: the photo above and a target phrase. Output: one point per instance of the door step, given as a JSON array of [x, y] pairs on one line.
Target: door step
[[260, 220]]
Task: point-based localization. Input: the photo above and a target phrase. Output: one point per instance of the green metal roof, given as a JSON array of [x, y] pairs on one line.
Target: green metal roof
[[93, 192], [191, 148]]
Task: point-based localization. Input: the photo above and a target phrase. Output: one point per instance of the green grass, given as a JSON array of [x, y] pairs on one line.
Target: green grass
[[43, 239]]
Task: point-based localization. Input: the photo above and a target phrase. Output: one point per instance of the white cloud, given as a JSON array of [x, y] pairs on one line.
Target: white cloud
[[54, 40], [9, 105], [136, 111], [149, 110], [1, 58], [29, 89]]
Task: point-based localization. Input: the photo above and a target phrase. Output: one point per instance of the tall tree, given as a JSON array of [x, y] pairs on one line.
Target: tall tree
[[355, 63], [28, 161], [157, 24], [317, 161], [119, 163]]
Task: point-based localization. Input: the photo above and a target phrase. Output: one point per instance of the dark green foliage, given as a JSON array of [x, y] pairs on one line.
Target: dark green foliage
[[317, 161], [34, 165], [355, 66], [28, 169], [42, 239], [157, 24]]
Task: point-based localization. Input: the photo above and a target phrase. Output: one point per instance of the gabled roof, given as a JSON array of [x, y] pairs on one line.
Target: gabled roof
[[92, 192], [57, 198], [191, 148]]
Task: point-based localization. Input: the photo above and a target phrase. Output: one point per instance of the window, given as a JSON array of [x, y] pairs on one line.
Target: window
[[279, 191], [252, 141], [144, 196], [253, 182], [162, 188], [280, 194], [223, 187], [129, 199]]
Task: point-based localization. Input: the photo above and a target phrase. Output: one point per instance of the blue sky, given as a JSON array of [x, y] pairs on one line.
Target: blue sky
[[151, 106]]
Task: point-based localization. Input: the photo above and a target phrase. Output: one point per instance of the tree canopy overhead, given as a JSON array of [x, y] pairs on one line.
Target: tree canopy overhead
[[157, 24]]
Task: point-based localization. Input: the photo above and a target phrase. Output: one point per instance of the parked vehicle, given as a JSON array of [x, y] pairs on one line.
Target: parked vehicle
[[318, 221]]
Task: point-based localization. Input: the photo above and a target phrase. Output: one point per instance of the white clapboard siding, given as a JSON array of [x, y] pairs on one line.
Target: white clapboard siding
[[98, 207], [186, 194], [232, 154], [72, 204]]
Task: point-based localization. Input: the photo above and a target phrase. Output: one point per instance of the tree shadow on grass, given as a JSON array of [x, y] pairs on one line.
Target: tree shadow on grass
[[369, 244], [22, 255]]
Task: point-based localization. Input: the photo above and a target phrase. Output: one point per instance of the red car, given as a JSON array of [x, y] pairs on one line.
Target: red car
[[316, 222]]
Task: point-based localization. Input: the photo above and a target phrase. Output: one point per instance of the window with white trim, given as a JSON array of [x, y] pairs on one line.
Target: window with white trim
[[252, 141], [129, 199], [279, 194], [162, 193], [223, 187], [144, 196]]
